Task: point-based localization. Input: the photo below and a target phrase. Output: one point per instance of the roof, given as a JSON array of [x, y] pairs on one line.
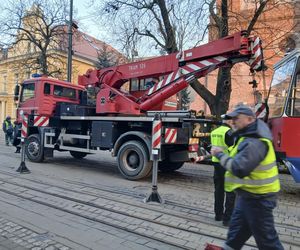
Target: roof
[[88, 46], [84, 46]]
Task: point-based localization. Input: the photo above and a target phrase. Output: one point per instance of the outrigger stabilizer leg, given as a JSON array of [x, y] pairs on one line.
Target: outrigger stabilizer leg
[[22, 168]]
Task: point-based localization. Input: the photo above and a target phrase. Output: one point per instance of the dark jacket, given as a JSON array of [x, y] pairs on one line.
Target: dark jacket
[[250, 152], [17, 134], [7, 126], [229, 137]]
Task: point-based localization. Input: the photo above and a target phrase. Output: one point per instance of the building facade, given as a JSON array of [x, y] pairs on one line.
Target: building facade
[[13, 70]]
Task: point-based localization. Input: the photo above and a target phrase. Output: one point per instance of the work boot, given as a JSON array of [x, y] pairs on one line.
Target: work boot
[[218, 217], [226, 223]]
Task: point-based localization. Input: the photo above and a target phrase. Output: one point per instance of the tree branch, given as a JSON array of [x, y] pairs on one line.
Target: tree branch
[[257, 14]]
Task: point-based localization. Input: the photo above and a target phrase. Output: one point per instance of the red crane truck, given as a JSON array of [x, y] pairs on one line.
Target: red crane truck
[[113, 108]]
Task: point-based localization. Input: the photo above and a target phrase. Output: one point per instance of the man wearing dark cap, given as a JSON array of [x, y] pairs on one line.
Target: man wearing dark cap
[[251, 172]]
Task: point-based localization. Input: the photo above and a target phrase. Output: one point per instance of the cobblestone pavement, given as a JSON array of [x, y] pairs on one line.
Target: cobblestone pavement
[[85, 204]]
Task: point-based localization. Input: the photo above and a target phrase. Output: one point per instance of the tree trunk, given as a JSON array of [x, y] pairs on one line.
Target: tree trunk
[[171, 45], [223, 91], [43, 63], [222, 98]]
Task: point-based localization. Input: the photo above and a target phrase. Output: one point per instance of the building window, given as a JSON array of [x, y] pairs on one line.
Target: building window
[[16, 78], [4, 83]]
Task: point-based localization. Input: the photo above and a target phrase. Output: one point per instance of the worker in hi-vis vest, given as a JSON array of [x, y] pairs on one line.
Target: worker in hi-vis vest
[[222, 137], [251, 172]]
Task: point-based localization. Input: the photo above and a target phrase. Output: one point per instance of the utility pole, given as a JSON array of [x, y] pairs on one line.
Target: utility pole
[[70, 49]]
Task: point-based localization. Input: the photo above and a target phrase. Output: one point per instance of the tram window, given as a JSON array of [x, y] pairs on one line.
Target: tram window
[[298, 86], [134, 84], [293, 105], [142, 84], [125, 87], [295, 99], [279, 88]]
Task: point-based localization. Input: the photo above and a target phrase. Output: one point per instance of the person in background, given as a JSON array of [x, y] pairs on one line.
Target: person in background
[[17, 135], [222, 137], [252, 173], [8, 130]]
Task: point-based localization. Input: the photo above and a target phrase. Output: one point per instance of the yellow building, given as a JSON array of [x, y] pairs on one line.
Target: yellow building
[[13, 68]]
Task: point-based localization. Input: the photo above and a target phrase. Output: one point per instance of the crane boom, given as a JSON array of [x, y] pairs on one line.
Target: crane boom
[[173, 71]]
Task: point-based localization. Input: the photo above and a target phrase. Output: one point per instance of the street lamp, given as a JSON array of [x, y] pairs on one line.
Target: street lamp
[[70, 50]]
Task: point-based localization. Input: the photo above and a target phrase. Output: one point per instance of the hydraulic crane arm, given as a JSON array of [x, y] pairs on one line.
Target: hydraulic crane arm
[[176, 69]]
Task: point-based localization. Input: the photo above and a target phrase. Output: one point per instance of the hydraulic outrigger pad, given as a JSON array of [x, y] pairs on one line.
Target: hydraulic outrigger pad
[[154, 196], [22, 169]]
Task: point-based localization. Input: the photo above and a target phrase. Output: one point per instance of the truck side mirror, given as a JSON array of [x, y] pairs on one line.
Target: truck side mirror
[[16, 92]]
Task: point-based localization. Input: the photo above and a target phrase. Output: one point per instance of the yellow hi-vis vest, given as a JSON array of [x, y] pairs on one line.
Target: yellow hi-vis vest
[[262, 180], [217, 138]]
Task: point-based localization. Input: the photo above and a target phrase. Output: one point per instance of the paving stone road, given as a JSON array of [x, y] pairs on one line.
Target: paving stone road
[[25, 224]]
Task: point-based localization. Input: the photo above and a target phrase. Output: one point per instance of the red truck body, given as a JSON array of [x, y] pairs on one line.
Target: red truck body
[[113, 108]]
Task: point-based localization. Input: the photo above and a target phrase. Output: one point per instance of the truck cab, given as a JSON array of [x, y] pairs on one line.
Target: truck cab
[[40, 95]]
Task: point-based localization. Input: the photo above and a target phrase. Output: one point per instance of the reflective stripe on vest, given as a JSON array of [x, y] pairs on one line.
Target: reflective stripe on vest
[[217, 138], [7, 124], [263, 179]]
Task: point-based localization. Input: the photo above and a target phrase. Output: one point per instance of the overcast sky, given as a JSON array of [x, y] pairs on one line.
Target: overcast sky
[[82, 12]]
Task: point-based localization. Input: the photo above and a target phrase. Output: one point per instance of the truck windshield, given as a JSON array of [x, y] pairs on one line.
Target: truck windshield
[[27, 92], [279, 88]]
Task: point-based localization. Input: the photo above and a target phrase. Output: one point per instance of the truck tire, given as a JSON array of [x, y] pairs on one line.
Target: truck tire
[[78, 155], [33, 148], [166, 166], [133, 160]]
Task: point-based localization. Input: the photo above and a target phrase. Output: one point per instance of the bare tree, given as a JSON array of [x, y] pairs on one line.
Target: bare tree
[[108, 57], [35, 30], [166, 26], [172, 25], [225, 20]]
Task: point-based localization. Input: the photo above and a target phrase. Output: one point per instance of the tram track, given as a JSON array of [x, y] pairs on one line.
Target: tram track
[[179, 180], [192, 230]]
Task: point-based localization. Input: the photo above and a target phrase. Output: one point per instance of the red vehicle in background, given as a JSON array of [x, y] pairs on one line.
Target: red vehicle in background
[[284, 112]]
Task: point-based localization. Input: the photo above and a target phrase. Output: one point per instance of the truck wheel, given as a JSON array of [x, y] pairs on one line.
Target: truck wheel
[[78, 155], [133, 160], [33, 148], [167, 166]]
